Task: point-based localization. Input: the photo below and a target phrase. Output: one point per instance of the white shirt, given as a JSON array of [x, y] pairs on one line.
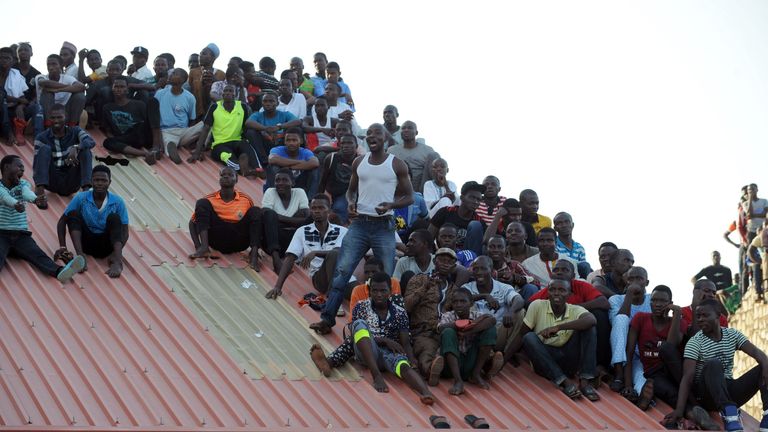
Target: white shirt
[[407, 263], [542, 270], [433, 192], [271, 200], [144, 74], [297, 106], [501, 292], [59, 97], [15, 84], [307, 239]]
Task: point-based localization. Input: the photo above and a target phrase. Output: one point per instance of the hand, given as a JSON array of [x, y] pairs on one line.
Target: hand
[[347, 115], [161, 83], [274, 293], [629, 392], [271, 129], [634, 291], [673, 417], [395, 347], [131, 69], [549, 332], [330, 132], [71, 159], [502, 211], [676, 311], [450, 195], [41, 201], [383, 208], [82, 54], [196, 156], [207, 77], [307, 260], [352, 210], [764, 376], [19, 206], [492, 302], [508, 320]]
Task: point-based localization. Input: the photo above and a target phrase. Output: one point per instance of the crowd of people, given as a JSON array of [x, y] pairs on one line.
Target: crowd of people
[[459, 282]]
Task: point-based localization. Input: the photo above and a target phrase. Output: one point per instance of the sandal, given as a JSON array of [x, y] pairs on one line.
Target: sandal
[[476, 422], [321, 328], [616, 385], [439, 422], [589, 392], [571, 390]]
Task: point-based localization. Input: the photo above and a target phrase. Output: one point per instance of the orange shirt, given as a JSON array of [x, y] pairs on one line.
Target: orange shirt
[[360, 293], [231, 211]]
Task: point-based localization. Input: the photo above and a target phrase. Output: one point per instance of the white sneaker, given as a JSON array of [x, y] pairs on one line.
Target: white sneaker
[[73, 267]]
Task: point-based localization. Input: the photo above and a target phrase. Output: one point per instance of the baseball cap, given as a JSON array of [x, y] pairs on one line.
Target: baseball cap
[[141, 50], [446, 251], [472, 186]]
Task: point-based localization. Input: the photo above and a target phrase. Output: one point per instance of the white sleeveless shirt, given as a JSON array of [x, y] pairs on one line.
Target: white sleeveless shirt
[[322, 138], [377, 184]]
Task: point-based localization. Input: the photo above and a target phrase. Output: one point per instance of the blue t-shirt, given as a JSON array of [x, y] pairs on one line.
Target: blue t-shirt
[[175, 110], [319, 83], [282, 151], [411, 213], [97, 220], [280, 117]]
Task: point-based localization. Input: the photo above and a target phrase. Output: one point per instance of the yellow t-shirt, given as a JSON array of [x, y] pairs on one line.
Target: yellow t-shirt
[[543, 222], [540, 316]]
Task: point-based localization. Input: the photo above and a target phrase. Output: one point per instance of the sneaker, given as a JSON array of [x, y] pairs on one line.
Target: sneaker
[[234, 165], [73, 267], [173, 152], [732, 419], [764, 422]]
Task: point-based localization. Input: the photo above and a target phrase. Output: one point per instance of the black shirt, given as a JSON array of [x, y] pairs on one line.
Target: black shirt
[[719, 274]]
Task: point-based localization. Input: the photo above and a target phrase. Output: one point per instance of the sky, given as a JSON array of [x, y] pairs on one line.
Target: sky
[[641, 119]]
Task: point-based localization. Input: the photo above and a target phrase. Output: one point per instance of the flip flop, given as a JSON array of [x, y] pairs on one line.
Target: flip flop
[[476, 422], [435, 369], [616, 385], [321, 328], [589, 392], [318, 358], [439, 422]]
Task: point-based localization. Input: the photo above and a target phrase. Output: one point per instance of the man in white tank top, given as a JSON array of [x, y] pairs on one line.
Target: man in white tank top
[[379, 184]]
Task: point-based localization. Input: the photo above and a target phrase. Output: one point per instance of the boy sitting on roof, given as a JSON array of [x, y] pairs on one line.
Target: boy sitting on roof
[[379, 340], [467, 337], [98, 223], [15, 236], [227, 220]]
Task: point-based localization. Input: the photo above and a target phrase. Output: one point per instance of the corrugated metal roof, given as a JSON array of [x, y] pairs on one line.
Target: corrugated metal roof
[[134, 353]]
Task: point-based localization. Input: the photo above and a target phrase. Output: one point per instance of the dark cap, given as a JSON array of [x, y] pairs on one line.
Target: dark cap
[[141, 51], [472, 186]]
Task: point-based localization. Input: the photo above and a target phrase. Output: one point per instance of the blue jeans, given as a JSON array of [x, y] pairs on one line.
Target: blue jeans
[[385, 359], [65, 180], [555, 363], [474, 238], [365, 232], [339, 207], [528, 290]]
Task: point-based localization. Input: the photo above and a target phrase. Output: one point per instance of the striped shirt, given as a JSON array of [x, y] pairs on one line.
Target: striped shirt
[[10, 219], [577, 252], [701, 348], [485, 213], [60, 146]]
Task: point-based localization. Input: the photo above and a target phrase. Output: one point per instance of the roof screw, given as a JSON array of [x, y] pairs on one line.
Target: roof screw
[[206, 328], [245, 421], [73, 420], [149, 327], [284, 372], [117, 420], [328, 423], [141, 255], [29, 420], [33, 324], [161, 420], [145, 370], [202, 422], [21, 368], [288, 421], [409, 425], [125, 370], [93, 326], [245, 372]]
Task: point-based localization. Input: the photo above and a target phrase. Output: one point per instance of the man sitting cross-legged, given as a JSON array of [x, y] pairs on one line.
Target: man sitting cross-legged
[[560, 340], [177, 110], [379, 341], [98, 223], [467, 337], [284, 209], [316, 246], [15, 236], [62, 162], [226, 220], [299, 161]]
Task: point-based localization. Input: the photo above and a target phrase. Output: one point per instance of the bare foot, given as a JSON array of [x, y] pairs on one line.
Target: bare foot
[[201, 252], [427, 398], [319, 359], [115, 268], [457, 388], [150, 158], [379, 384], [254, 259], [479, 381]]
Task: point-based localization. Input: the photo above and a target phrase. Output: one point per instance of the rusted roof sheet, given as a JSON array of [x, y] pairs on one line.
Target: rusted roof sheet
[[147, 351]]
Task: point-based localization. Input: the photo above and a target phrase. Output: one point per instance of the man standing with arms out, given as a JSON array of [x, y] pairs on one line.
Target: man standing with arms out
[[529, 201], [569, 247], [227, 220], [15, 236], [98, 223], [717, 273], [62, 162], [316, 246], [417, 155], [378, 185]]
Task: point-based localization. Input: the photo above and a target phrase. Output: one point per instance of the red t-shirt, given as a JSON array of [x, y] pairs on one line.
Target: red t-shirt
[[687, 313], [581, 292], [649, 339]]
